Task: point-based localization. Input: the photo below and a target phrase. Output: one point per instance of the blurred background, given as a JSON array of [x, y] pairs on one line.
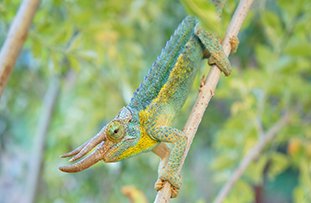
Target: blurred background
[[83, 60]]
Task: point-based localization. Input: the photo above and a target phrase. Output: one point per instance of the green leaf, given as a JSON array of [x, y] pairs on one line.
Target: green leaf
[[298, 48], [223, 162], [241, 192], [273, 28], [74, 62], [279, 162], [255, 170], [206, 12]]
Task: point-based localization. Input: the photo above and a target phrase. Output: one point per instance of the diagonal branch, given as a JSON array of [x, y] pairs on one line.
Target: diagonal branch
[[15, 39], [207, 90], [251, 155]]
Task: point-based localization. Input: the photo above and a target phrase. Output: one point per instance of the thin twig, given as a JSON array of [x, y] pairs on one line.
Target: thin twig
[[15, 39], [251, 156], [207, 91]]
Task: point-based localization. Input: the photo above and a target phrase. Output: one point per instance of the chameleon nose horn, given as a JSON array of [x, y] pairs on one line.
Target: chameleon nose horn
[[82, 150], [85, 163], [87, 146]]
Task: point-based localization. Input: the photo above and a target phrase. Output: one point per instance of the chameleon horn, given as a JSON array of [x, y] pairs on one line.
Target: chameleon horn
[[90, 145], [86, 147], [75, 151], [85, 163]]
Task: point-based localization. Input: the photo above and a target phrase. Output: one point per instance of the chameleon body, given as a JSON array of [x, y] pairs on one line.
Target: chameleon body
[[146, 121]]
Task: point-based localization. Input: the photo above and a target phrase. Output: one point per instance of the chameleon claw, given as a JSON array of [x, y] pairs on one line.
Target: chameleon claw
[[174, 191], [160, 184], [172, 178]]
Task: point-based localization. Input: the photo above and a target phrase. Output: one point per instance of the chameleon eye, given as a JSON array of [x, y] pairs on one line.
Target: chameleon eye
[[115, 131]]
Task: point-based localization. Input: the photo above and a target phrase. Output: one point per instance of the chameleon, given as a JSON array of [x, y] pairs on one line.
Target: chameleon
[[147, 120]]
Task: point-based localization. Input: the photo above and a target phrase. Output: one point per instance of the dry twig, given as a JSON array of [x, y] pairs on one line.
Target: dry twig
[[15, 39]]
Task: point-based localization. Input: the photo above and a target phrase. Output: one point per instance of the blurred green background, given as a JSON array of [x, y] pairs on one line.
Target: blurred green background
[[90, 56]]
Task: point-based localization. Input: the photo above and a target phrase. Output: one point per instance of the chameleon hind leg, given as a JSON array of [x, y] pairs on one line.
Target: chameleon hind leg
[[170, 172], [213, 50]]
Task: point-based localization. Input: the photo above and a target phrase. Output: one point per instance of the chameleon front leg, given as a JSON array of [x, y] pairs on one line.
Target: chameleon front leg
[[171, 172], [213, 50]]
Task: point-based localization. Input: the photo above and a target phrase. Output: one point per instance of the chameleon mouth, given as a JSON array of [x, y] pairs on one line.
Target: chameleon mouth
[[85, 148]]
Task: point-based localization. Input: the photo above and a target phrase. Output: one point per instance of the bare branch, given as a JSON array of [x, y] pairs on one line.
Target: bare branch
[[207, 90], [15, 39], [251, 156]]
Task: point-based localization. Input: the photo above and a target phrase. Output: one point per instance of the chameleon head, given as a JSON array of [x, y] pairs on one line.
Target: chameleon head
[[114, 138]]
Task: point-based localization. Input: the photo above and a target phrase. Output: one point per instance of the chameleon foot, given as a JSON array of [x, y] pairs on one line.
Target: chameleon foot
[[217, 58], [160, 184], [174, 180]]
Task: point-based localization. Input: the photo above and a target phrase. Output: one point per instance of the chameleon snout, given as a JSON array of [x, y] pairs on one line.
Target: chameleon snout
[[97, 155]]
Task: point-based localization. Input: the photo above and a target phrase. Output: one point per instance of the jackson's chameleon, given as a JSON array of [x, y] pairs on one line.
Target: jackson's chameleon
[[146, 120]]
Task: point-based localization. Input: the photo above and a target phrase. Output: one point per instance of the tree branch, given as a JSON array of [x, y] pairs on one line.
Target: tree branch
[[207, 91], [15, 39], [251, 155]]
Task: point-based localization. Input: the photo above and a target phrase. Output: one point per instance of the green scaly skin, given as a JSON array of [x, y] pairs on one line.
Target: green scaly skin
[[146, 121]]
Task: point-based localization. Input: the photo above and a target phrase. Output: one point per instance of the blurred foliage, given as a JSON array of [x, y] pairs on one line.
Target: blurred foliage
[[102, 49]]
